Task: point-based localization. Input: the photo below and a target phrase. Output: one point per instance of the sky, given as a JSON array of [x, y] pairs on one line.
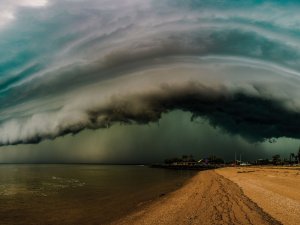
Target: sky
[[137, 81]]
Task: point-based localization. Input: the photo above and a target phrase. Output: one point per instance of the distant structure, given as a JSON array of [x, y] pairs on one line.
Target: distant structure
[[294, 158], [263, 162], [240, 162], [188, 162]]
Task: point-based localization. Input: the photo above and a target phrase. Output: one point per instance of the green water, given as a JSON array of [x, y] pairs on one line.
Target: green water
[[79, 194]]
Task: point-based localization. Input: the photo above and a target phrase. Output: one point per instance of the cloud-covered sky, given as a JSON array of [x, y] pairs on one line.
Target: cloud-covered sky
[[121, 66]]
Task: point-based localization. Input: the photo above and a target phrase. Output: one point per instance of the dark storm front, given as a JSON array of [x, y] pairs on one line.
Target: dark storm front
[[79, 194]]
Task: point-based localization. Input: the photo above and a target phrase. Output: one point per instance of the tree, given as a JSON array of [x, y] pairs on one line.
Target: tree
[[276, 159], [292, 158], [184, 158], [173, 160], [191, 159], [216, 160]]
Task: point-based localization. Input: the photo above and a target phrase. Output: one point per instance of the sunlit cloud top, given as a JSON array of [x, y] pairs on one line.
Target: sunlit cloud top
[[9, 9]]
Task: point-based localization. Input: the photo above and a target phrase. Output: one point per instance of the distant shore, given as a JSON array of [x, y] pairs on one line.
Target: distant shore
[[187, 166], [233, 195]]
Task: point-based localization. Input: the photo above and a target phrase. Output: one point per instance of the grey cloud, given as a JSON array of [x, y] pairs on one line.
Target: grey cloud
[[147, 53], [255, 117], [84, 42]]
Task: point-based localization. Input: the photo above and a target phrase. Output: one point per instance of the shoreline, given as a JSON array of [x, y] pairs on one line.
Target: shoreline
[[144, 205], [206, 198]]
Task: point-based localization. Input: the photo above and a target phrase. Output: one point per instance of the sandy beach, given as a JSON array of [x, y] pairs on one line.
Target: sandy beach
[[275, 189], [254, 195]]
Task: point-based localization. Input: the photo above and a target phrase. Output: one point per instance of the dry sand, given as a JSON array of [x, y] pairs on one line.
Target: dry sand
[[208, 198], [276, 190]]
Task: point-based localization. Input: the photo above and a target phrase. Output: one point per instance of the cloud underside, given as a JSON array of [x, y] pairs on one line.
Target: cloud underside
[[53, 52], [254, 117]]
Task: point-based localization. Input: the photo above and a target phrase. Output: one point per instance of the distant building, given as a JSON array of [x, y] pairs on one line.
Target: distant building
[[263, 162]]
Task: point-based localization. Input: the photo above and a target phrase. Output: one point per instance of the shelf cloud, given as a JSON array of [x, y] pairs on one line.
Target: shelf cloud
[[67, 66], [255, 117]]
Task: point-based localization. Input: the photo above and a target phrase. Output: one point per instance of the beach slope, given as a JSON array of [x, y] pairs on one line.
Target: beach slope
[[275, 189], [208, 198]]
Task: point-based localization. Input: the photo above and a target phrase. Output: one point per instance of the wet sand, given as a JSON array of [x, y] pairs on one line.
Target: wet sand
[[275, 189], [208, 198]]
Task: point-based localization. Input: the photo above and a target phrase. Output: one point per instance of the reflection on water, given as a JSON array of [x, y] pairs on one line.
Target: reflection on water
[[41, 189], [79, 194]]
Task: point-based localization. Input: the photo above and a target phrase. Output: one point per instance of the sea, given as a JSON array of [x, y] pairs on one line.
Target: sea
[[80, 194]]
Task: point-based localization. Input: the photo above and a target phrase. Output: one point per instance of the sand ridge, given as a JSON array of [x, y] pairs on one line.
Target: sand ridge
[[208, 198], [275, 189]]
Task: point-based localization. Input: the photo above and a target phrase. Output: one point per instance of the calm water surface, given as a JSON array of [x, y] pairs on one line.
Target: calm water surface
[[79, 194]]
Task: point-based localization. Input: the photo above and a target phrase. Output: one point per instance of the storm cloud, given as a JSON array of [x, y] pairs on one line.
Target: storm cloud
[[69, 66], [255, 117]]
